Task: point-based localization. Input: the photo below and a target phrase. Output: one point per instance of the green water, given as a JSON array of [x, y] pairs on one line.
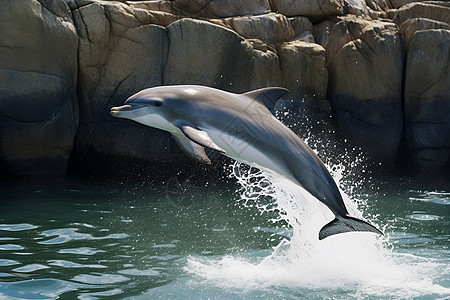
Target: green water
[[71, 239]]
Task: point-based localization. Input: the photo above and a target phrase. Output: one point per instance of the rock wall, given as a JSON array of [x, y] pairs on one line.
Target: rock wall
[[427, 97], [381, 68], [366, 62], [38, 81], [120, 51], [426, 31]]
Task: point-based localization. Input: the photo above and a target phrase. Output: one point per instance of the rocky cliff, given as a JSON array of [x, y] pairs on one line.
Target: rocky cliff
[[380, 68]]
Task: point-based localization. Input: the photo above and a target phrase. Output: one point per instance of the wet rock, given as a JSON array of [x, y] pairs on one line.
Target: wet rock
[[265, 70], [400, 3], [427, 98], [356, 7], [409, 27], [207, 8], [305, 37], [380, 5], [303, 68], [204, 53], [300, 25], [368, 9], [270, 27], [237, 46], [306, 109], [434, 10], [208, 54], [140, 10], [315, 10], [38, 71], [365, 81], [322, 31], [120, 52]]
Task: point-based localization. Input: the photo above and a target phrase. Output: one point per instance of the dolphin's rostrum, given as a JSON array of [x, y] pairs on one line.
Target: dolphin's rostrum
[[240, 126]]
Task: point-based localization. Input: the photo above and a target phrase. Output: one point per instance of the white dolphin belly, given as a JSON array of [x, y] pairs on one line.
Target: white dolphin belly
[[157, 121], [245, 151]]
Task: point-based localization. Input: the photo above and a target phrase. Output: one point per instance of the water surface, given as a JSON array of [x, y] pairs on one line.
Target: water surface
[[73, 239]]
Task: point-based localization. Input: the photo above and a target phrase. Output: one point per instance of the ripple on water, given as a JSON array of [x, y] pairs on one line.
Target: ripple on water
[[30, 268], [65, 235], [11, 247], [424, 217], [137, 272], [433, 197], [164, 246], [38, 288], [70, 264], [83, 224], [100, 278], [8, 262], [90, 296], [404, 238], [81, 251], [17, 227]]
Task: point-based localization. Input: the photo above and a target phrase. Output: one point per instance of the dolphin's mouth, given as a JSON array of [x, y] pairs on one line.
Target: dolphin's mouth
[[115, 111]]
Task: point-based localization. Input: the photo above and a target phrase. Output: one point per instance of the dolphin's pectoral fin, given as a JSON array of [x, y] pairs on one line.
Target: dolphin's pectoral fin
[[196, 135], [346, 224], [267, 96], [192, 149]]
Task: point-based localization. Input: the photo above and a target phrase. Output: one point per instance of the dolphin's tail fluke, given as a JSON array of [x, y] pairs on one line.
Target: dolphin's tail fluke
[[346, 224]]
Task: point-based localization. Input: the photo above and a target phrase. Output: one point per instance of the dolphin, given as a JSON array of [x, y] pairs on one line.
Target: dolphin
[[240, 126]]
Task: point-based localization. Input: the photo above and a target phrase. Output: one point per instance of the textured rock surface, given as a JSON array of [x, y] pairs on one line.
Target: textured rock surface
[[120, 53], [365, 64], [435, 10], [207, 8], [295, 58], [381, 5], [356, 7], [79, 62], [322, 31], [427, 98], [268, 27], [207, 54], [409, 27], [300, 25], [399, 3], [38, 70], [315, 9]]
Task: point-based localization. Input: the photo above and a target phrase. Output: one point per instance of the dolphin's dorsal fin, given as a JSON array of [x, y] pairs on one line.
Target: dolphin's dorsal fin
[[267, 96], [197, 135], [192, 149]]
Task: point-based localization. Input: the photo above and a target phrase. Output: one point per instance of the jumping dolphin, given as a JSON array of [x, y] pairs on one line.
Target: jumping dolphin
[[240, 126]]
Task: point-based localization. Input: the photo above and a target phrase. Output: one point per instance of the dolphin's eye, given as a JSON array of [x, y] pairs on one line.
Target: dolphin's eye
[[157, 103]]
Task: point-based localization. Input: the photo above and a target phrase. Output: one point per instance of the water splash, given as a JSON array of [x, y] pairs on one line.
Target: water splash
[[361, 264]]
